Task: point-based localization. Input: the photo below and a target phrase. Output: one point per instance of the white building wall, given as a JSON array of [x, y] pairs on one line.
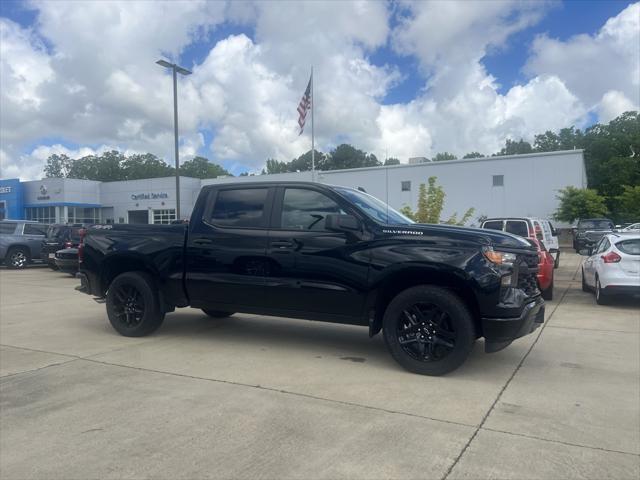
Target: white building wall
[[531, 182]]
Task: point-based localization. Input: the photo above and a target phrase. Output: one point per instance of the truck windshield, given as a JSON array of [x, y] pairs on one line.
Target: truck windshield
[[596, 224], [374, 208]]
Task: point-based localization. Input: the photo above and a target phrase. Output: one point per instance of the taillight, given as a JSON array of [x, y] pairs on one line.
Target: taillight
[[611, 257], [68, 244], [82, 233]]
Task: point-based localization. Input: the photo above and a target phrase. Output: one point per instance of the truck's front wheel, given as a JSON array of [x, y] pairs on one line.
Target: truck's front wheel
[[133, 306], [428, 330]]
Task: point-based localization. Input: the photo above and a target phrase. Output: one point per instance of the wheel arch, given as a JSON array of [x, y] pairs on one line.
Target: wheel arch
[[115, 265], [405, 278]]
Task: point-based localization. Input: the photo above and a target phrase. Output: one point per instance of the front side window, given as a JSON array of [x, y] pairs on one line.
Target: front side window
[[517, 227], [7, 228], [306, 209], [240, 208]]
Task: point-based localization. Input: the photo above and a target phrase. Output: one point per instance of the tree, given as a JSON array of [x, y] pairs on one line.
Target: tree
[[578, 203], [392, 161], [347, 156], [145, 165], [274, 166], [440, 157], [200, 167], [57, 166], [430, 205], [629, 204], [104, 168], [512, 147], [473, 155]]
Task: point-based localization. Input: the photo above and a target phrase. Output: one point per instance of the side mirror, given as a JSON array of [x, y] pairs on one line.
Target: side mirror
[[341, 223]]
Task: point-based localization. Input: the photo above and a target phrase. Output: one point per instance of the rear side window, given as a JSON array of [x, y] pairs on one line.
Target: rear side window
[[240, 208], [517, 227], [7, 228], [32, 229], [306, 210], [493, 225], [630, 247]]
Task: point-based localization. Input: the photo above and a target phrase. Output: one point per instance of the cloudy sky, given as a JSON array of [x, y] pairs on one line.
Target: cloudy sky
[[400, 79]]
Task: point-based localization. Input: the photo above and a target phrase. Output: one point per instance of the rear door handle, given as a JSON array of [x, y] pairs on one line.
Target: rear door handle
[[202, 241], [282, 244]]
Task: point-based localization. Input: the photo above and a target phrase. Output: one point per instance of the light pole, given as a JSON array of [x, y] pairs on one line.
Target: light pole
[[175, 69]]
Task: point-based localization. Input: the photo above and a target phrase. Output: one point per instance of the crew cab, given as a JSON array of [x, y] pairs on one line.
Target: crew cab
[[319, 252], [589, 231]]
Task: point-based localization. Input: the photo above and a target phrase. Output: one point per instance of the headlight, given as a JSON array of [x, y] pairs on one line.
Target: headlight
[[499, 258]]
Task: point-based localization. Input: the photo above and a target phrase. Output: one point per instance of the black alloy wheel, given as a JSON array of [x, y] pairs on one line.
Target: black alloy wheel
[[133, 305], [425, 332], [429, 330], [128, 305]]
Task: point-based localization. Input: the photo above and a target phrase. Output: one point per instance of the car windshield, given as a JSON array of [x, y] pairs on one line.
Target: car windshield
[[596, 224], [54, 232], [374, 208]]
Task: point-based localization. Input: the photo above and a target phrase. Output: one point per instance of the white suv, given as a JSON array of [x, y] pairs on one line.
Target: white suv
[[613, 267], [529, 227]]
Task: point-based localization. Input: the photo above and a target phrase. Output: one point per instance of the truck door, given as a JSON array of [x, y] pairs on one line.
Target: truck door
[[226, 248], [312, 269]]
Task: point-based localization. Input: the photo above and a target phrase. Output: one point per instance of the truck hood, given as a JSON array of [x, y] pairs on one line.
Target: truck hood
[[481, 236]]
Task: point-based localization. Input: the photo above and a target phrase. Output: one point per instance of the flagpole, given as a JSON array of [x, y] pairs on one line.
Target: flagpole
[[313, 147]]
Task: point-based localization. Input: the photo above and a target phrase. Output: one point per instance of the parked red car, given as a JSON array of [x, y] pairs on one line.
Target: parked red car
[[545, 269]]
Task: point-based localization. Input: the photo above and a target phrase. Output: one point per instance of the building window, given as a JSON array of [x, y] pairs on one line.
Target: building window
[[498, 180], [41, 214], [164, 216], [83, 215], [406, 185]]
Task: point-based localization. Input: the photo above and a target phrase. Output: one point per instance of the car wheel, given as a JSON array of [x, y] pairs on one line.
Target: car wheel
[[133, 306], [585, 287], [53, 266], [217, 313], [556, 262], [601, 297], [428, 330], [17, 258], [548, 293]]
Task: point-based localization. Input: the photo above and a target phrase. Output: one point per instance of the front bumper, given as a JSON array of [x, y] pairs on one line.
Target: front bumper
[[500, 332]]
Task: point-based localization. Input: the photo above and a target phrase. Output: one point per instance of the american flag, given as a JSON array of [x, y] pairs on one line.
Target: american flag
[[305, 105]]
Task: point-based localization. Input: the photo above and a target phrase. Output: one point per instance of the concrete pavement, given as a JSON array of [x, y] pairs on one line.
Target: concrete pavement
[[261, 397]]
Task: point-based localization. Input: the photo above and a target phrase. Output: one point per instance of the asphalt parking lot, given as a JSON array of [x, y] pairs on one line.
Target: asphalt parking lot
[[261, 397]]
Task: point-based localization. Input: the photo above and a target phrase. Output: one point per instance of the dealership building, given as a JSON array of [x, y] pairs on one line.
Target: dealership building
[[516, 185]]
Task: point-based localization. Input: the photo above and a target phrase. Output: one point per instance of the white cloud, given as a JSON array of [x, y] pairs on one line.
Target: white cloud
[[593, 65], [85, 73]]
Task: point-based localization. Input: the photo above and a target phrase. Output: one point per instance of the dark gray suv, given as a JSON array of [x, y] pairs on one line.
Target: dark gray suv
[[20, 242]]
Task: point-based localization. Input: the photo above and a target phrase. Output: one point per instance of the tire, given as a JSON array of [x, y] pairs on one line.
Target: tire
[[601, 297], [585, 287], [217, 313], [556, 262], [548, 293], [52, 266], [17, 258], [418, 312], [133, 305]]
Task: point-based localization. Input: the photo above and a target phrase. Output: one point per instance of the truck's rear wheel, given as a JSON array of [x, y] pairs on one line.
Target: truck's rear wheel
[[133, 306], [217, 313], [428, 330]]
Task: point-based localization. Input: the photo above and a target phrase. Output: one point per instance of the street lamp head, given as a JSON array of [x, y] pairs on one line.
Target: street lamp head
[[164, 63], [177, 68]]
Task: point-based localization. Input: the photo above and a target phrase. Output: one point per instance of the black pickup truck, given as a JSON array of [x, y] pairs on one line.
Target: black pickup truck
[[319, 252]]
